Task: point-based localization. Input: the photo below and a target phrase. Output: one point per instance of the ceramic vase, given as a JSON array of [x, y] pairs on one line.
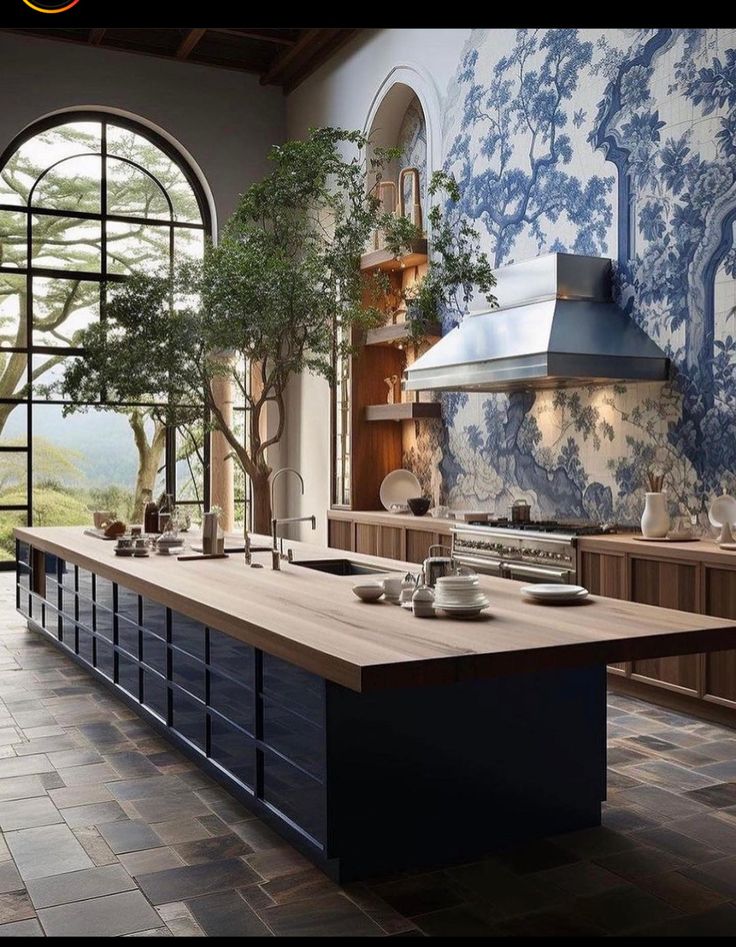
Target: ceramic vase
[[655, 521]]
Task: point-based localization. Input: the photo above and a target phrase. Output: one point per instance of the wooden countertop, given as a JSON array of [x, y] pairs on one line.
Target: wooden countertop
[[314, 620], [432, 524], [706, 550]]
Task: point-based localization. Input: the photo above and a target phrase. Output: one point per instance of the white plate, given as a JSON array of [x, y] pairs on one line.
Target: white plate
[[398, 487], [722, 510], [468, 600], [455, 611], [557, 593], [457, 581]]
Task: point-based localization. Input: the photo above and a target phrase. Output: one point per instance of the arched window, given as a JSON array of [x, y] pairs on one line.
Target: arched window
[[86, 199]]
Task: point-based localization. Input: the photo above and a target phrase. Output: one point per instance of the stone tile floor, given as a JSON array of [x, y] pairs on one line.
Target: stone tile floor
[[108, 831]]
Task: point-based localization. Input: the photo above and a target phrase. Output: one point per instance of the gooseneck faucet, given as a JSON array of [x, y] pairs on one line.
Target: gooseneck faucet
[[277, 556]]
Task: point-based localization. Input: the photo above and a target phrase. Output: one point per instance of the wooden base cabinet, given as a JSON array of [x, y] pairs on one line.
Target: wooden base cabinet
[[700, 683], [377, 539]]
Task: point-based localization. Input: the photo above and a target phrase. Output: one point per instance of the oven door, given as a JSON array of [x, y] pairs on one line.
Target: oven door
[[481, 565], [524, 572]]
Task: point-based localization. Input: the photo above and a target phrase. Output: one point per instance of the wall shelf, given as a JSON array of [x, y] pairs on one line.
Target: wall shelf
[[384, 260], [405, 411], [391, 334]]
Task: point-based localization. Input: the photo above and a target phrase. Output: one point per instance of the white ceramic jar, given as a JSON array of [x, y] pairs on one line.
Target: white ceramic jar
[[655, 521]]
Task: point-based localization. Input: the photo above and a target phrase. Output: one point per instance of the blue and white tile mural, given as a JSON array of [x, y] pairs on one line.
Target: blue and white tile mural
[[616, 143]]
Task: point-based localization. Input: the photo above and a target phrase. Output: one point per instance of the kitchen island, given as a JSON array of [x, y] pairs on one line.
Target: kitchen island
[[372, 740]]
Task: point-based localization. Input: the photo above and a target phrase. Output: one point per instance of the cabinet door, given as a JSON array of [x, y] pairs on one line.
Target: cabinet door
[[366, 539], [418, 542], [604, 573], [340, 534], [670, 585], [720, 666], [390, 542]]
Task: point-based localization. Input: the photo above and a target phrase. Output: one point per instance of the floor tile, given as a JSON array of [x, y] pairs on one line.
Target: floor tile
[[637, 863], [623, 909], [76, 757], [66, 798], [154, 859], [79, 886], [719, 796], [709, 829], [580, 879], [24, 766], [720, 749], [178, 884], [300, 886], [460, 921], [691, 849], [212, 849], [30, 928], [147, 787], [15, 906], [722, 771], [21, 787], [226, 914], [94, 814], [595, 842], [333, 916], [184, 927], [671, 775], [536, 856], [130, 764], [684, 893], [663, 802], [720, 875], [129, 836], [718, 922], [110, 916], [186, 805], [277, 862], [10, 880], [180, 830], [27, 813], [419, 894], [88, 775], [48, 850], [559, 923]]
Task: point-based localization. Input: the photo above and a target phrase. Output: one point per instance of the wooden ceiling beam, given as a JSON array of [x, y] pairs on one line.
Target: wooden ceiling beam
[[305, 46], [188, 43], [96, 36], [262, 35], [328, 49]]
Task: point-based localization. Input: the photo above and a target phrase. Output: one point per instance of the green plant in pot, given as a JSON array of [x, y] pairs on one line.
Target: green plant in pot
[[261, 308]]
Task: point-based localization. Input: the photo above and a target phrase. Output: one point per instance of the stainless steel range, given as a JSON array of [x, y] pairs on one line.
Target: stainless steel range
[[543, 551]]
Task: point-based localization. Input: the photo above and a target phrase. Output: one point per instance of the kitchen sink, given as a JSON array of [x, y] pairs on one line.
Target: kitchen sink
[[341, 567]]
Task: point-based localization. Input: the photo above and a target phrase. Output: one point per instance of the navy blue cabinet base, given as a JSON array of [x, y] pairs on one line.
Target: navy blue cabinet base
[[362, 783]]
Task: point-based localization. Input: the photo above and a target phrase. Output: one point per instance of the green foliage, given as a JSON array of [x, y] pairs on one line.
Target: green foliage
[[458, 266], [51, 507], [268, 296]]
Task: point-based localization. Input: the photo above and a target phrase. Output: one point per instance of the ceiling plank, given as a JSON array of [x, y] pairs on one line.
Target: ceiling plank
[[328, 49], [96, 36], [188, 43], [262, 35], [308, 43]]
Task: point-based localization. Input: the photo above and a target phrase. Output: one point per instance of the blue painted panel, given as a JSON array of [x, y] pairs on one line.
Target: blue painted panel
[[296, 795], [85, 611], [155, 693], [103, 592], [85, 646], [128, 604], [302, 741], [105, 662], [233, 701], [154, 652], [154, 617], [128, 635], [51, 564], [84, 583], [104, 622], [128, 674], [188, 673], [24, 553], [189, 635], [189, 718], [232, 657], [233, 750], [293, 687]]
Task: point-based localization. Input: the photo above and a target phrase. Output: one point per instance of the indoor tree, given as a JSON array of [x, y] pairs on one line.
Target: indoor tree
[[262, 307]]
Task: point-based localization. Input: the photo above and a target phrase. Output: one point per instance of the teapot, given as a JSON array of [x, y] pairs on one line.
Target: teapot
[[437, 566]]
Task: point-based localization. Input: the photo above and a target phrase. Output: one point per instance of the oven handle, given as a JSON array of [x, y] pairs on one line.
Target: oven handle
[[484, 566], [536, 572]]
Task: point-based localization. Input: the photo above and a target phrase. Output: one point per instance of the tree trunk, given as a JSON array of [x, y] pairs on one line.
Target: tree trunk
[[261, 505], [150, 458]]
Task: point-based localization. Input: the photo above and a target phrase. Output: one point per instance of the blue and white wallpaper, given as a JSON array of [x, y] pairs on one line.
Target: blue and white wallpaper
[[617, 143]]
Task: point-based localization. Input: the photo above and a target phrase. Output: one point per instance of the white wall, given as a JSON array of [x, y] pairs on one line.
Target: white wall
[[341, 94], [225, 120]]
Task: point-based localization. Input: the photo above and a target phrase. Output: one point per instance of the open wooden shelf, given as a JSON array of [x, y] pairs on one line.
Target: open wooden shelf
[[405, 411], [384, 260], [390, 335]]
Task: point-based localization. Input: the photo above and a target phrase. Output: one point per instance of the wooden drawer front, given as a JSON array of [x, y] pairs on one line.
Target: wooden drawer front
[[340, 534], [418, 542], [390, 542], [720, 666], [670, 585], [366, 539], [603, 573]]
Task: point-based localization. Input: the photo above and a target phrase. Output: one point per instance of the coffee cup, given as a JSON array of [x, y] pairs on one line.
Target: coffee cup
[[392, 589]]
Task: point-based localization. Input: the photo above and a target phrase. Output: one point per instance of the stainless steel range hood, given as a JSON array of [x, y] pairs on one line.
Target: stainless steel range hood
[[556, 325]]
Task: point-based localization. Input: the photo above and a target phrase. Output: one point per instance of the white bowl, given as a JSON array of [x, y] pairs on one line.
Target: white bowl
[[368, 592]]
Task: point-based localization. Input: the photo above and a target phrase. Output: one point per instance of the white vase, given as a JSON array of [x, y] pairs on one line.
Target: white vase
[[655, 521]]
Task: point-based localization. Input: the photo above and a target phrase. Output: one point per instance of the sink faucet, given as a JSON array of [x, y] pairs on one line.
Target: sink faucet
[[277, 556]]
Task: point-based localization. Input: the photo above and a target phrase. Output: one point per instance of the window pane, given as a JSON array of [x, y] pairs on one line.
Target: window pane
[[13, 238], [61, 308], [138, 248], [73, 184], [13, 480], [37, 154], [188, 244], [48, 370], [13, 425], [13, 311], [132, 193], [127, 144], [63, 243], [190, 463], [13, 376], [9, 519]]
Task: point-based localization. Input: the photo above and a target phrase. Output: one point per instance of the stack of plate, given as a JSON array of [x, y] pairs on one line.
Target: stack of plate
[[459, 596], [555, 594]]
